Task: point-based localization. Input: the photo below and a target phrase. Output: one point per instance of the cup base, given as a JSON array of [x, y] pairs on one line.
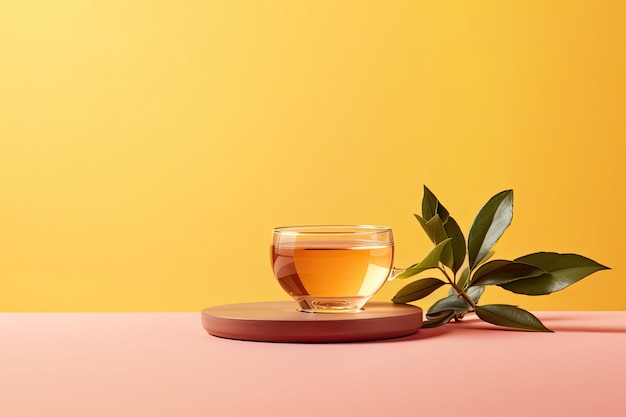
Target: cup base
[[331, 304]]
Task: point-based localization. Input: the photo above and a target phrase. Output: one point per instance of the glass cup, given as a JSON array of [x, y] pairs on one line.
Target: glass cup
[[329, 269]]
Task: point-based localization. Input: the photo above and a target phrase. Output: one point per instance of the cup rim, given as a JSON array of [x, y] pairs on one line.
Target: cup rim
[[332, 229]]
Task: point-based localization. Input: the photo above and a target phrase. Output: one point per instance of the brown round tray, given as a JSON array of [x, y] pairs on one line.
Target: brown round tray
[[281, 322]]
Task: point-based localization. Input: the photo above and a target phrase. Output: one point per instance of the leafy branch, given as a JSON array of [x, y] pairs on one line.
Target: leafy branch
[[534, 274]]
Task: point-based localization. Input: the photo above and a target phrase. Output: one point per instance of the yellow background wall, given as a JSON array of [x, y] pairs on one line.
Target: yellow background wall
[[148, 148]]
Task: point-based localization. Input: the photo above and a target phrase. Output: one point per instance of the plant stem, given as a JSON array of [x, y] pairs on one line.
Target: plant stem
[[459, 291]]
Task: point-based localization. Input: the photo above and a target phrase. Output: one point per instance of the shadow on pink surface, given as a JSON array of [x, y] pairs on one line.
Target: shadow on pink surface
[[560, 322]]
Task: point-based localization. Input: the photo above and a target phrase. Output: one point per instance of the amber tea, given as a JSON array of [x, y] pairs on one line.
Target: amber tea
[[332, 268]]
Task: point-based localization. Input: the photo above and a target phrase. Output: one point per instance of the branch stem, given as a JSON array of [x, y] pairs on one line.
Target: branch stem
[[459, 291]]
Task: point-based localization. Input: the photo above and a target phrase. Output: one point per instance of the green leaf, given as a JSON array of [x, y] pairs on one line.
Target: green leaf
[[432, 206], [463, 280], [563, 270], [501, 271], [486, 257], [488, 226], [435, 230], [461, 283], [430, 261], [438, 319], [474, 293], [417, 290], [457, 244], [510, 316], [452, 302]]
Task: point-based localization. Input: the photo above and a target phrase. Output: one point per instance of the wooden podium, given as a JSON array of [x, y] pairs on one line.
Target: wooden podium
[[282, 322]]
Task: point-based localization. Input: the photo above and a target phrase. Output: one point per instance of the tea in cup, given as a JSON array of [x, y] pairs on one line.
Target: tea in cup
[[332, 268]]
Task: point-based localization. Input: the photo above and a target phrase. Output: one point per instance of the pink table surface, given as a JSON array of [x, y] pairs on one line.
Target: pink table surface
[[165, 364]]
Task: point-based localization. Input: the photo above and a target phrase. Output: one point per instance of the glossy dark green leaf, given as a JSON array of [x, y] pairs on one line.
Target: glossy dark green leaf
[[464, 279], [502, 271], [563, 270], [457, 244], [434, 228], [474, 293], [510, 316], [453, 302], [430, 261], [488, 226], [417, 290], [438, 319], [486, 257], [431, 206]]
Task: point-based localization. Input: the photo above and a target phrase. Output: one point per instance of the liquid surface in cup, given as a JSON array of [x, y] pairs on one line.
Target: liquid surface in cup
[[332, 269]]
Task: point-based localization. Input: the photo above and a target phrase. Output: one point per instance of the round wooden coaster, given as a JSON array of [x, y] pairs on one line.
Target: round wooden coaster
[[281, 322]]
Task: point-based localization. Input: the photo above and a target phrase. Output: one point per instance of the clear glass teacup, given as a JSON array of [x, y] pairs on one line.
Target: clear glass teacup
[[332, 268]]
